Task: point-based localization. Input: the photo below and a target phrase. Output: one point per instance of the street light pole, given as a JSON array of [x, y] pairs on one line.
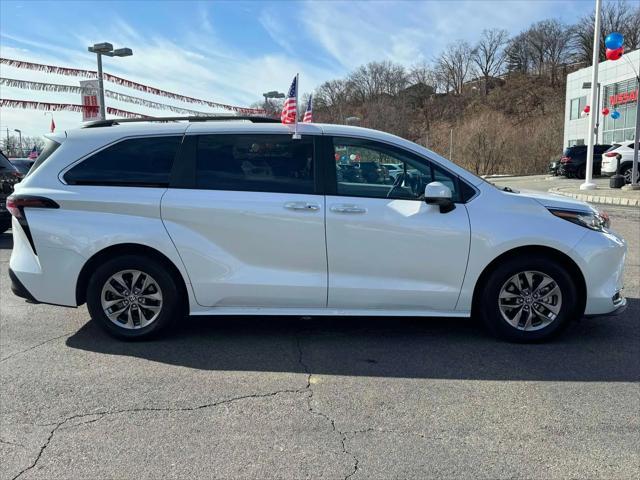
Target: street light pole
[[103, 115], [588, 179], [101, 49], [19, 140]]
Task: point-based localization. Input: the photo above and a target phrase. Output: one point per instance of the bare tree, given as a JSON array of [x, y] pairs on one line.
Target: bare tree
[[618, 16], [453, 66], [331, 98], [423, 73], [377, 78], [488, 55]]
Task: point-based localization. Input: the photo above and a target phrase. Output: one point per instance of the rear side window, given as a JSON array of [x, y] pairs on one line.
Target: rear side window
[[142, 162], [255, 163], [48, 150]]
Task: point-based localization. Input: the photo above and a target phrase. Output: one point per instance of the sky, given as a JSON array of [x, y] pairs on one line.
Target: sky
[[232, 52]]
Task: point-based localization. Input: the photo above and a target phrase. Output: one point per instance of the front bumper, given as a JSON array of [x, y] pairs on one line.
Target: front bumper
[[601, 257]]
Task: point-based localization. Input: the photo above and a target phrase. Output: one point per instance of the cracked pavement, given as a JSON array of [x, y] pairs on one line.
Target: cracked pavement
[[262, 397]]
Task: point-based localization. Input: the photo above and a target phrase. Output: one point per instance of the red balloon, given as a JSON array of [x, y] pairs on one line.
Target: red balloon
[[614, 54], [587, 109], [605, 111]]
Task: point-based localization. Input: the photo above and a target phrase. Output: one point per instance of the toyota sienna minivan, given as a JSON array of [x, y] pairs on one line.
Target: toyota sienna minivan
[[149, 221]]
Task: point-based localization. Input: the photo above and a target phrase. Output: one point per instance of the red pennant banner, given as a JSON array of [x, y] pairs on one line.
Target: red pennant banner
[[60, 107], [76, 72]]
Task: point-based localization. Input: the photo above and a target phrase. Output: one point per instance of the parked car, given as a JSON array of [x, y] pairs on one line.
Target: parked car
[[22, 164], [609, 160], [9, 176], [574, 160], [349, 173], [373, 172], [146, 221]]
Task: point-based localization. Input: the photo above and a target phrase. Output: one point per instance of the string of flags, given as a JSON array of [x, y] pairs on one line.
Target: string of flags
[[76, 72], [56, 87], [59, 107]]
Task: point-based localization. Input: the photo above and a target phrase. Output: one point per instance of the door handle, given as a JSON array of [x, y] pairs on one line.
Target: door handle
[[347, 208], [302, 206]]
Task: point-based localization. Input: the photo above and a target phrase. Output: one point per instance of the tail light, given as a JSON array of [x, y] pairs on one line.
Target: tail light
[[610, 154], [565, 160], [17, 203]]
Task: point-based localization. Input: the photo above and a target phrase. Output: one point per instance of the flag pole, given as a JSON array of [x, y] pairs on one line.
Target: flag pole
[[296, 135]]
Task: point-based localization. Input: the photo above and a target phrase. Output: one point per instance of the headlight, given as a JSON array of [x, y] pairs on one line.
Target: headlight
[[592, 219]]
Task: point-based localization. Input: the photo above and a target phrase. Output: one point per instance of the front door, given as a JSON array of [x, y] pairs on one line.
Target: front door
[[249, 226], [388, 249]]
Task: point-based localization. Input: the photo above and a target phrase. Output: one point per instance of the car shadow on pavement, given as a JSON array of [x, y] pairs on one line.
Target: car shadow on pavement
[[597, 349]]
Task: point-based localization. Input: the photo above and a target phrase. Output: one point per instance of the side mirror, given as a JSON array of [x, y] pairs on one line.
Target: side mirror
[[437, 193]]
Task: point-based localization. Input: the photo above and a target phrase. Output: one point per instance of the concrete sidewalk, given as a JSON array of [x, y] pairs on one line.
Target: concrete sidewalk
[[605, 195]]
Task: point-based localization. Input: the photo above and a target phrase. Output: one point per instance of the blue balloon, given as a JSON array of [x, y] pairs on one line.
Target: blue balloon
[[614, 40], [615, 114]]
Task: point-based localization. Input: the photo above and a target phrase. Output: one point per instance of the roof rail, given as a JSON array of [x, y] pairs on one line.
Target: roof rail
[[216, 118]]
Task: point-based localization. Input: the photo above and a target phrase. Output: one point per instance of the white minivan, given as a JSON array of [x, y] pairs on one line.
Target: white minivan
[[149, 221]]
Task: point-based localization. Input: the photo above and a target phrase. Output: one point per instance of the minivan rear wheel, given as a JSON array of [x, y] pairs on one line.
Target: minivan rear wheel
[[133, 297], [528, 300]]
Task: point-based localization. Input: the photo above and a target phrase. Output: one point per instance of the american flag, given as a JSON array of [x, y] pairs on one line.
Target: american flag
[[33, 154], [308, 113], [290, 107]]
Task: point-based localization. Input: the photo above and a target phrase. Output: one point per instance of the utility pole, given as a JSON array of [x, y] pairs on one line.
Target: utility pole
[[588, 179], [451, 145]]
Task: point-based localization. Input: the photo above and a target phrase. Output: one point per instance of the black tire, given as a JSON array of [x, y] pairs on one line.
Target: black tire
[[171, 303], [487, 305], [581, 172], [626, 172]]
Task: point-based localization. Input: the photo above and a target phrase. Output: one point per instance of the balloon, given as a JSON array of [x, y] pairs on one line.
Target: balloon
[[352, 157], [605, 111], [614, 54], [587, 109], [615, 114], [614, 41], [584, 114], [337, 156]]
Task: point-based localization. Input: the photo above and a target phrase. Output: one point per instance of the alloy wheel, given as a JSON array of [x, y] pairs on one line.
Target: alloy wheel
[[131, 299], [530, 300]]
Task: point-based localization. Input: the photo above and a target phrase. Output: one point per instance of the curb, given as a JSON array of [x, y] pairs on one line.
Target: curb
[[603, 199]]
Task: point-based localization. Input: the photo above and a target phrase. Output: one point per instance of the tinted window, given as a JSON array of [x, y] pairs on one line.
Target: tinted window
[[136, 162], [360, 171], [255, 163]]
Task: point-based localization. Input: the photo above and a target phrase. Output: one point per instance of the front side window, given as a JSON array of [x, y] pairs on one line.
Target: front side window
[[361, 171], [143, 162], [255, 163]]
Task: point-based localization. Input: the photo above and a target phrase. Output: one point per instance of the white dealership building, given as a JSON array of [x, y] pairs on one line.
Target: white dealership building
[[618, 91]]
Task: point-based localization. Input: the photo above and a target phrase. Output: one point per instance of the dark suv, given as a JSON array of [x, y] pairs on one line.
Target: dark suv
[[9, 176], [574, 160]]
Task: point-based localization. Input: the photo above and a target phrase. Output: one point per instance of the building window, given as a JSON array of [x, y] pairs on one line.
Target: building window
[[622, 97], [577, 106], [577, 141]]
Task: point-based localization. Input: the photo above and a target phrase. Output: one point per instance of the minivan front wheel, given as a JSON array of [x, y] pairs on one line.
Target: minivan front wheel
[[528, 300], [132, 297]]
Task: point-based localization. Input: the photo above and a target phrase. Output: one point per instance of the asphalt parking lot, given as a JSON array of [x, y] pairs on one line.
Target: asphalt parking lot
[[319, 398]]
